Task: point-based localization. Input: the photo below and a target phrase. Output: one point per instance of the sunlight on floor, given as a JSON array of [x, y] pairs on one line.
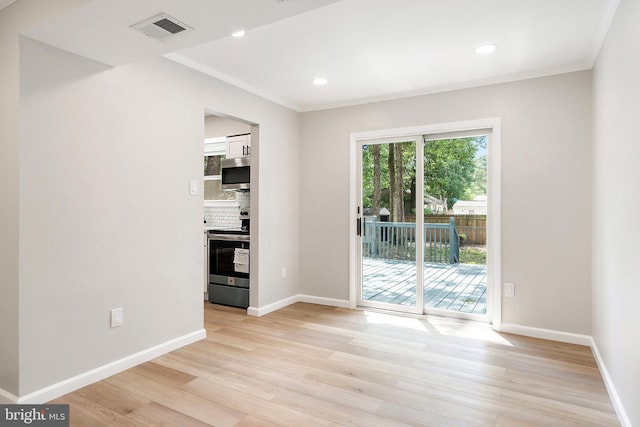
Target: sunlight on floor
[[395, 320], [442, 326], [480, 333]]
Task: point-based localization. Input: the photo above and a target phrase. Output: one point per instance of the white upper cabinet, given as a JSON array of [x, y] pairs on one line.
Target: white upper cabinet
[[238, 146]]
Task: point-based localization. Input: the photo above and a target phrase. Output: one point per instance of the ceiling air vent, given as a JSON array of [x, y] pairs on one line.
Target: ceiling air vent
[[161, 27]]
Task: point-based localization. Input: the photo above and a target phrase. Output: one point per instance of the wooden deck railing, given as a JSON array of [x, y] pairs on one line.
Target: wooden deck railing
[[397, 240], [473, 226]]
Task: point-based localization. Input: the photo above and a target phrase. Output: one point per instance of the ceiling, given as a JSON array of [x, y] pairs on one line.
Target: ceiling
[[368, 50]]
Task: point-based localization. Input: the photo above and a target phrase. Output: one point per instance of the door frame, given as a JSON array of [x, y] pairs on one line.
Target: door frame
[[419, 225], [494, 252]]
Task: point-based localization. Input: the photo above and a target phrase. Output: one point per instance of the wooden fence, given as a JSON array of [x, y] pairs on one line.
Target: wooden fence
[[472, 226]]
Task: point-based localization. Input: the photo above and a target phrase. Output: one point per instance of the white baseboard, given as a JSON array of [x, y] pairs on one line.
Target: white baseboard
[[67, 386], [547, 334], [572, 338], [261, 311], [7, 398], [611, 388], [332, 302]]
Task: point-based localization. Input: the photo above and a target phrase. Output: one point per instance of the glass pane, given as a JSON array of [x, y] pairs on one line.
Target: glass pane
[[213, 187], [389, 229], [213, 165], [213, 191], [455, 185]]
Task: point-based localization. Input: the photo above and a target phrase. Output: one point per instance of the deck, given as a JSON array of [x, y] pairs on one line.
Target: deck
[[454, 287]]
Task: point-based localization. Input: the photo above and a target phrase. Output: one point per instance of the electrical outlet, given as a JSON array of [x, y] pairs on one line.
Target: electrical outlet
[[284, 272], [509, 290], [116, 317]]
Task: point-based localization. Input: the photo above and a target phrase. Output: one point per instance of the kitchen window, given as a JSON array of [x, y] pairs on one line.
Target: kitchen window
[[214, 195]]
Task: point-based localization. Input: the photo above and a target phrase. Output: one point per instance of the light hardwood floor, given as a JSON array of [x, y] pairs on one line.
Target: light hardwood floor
[[311, 365]]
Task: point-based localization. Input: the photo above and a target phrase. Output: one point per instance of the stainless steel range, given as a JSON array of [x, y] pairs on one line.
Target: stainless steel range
[[229, 267]]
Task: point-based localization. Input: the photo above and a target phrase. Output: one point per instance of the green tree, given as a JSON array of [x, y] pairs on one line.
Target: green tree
[[449, 167], [212, 165], [453, 170], [391, 164], [375, 151], [479, 184], [388, 178]]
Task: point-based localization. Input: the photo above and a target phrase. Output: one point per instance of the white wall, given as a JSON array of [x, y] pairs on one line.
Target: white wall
[[104, 160], [98, 186], [9, 155], [13, 19], [616, 204], [546, 159]]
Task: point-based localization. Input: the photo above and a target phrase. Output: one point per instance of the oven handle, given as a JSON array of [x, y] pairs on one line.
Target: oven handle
[[230, 237]]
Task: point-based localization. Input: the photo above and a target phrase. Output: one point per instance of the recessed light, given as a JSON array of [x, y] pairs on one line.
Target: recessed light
[[239, 33], [320, 81], [487, 48]]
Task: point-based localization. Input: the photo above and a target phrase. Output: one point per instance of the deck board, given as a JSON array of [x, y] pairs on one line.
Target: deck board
[[453, 287]]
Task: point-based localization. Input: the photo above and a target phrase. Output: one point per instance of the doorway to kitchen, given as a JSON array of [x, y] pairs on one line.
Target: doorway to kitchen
[[227, 209], [424, 225]]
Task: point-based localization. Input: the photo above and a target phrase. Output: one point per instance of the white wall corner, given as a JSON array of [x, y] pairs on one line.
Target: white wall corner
[[74, 383], [546, 334], [332, 302], [261, 311], [611, 388], [571, 338], [7, 398]]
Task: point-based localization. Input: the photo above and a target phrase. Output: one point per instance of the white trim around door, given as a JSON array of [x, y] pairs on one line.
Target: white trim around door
[[494, 206]]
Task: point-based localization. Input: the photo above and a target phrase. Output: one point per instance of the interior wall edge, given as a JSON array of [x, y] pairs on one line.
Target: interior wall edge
[[611, 388]]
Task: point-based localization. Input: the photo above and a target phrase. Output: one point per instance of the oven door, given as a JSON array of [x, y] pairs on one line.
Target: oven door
[[226, 265]]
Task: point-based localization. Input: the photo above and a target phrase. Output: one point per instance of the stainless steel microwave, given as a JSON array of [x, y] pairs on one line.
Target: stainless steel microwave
[[236, 173]]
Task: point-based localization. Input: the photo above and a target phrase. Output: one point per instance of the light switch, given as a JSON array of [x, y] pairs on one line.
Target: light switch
[[116, 317], [509, 290], [193, 187]]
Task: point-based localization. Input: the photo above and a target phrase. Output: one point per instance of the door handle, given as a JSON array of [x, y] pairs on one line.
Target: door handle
[[359, 226]]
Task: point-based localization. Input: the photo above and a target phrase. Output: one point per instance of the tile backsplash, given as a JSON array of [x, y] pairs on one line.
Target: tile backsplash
[[243, 198], [222, 217]]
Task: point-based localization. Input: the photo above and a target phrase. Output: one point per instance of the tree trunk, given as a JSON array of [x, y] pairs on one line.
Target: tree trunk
[[212, 165], [392, 181], [376, 180], [414, 194], [399, 191]]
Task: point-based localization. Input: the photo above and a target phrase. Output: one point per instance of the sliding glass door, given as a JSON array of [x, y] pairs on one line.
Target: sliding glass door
[[388, 226], [422, 217], [455, 218]]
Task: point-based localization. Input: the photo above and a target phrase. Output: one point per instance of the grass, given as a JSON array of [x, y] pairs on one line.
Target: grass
[[473, 256], [468, 254]]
